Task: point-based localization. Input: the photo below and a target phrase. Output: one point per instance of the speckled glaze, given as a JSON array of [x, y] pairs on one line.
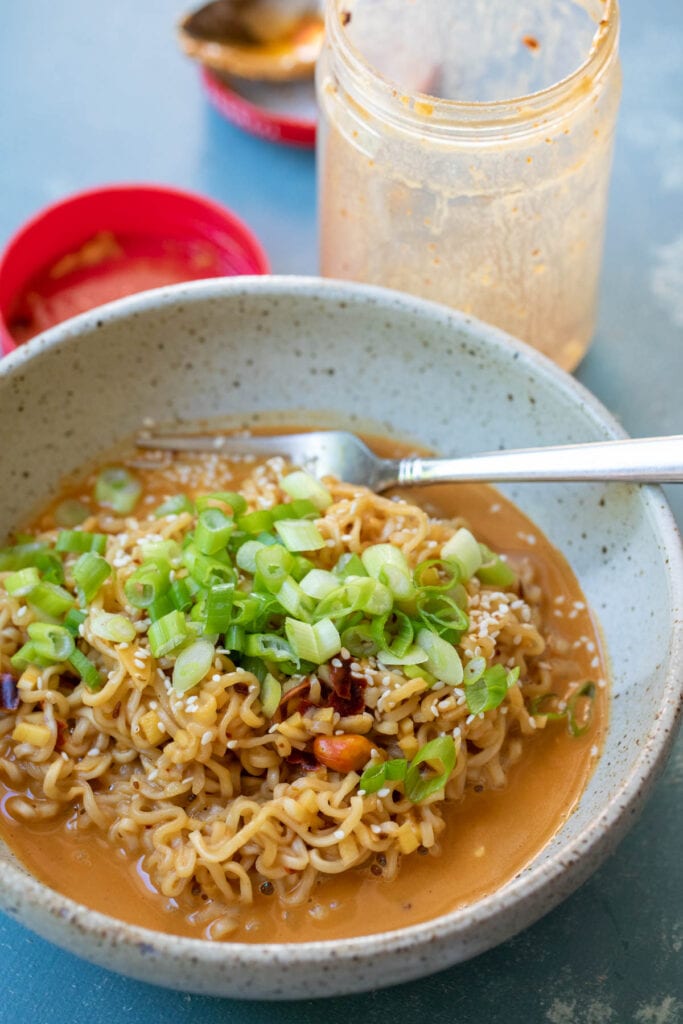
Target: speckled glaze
[[317, 351]]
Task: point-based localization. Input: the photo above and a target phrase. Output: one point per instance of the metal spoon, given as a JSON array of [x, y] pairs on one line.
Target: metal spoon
[[268, 40], [342, 454]]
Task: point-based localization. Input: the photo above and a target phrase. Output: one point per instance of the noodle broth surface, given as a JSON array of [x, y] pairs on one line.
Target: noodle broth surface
[[491, 832]]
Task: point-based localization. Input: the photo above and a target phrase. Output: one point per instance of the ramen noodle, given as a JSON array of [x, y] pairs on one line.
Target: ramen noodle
[[250, 691]]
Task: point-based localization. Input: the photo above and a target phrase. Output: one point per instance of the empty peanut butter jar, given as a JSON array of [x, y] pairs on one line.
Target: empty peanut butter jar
[[464, 155]]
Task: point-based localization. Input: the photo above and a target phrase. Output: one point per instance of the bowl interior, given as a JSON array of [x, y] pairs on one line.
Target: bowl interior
[[364, 358]]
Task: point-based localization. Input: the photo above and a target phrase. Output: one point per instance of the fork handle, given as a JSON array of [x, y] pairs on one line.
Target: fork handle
[[643, 460]]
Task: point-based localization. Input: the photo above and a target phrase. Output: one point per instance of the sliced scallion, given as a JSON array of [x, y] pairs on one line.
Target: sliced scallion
[[116, 488], [443, 661], [51, 642], [269, 647], [89, 573], [302, 485], [167, 634], [439, 755], [270, 695], [218, 608], [349, 564], [316, 643], [70, 513], [74, 620], [494, 572], [464, 547], [79, 541], [110, 626], [21, 583], [174, 506], [580, 709], [220, 499], [88, 671], [192, 665], [212, 531], [145, 585], [299, 535], [488, 691], [50, 599]]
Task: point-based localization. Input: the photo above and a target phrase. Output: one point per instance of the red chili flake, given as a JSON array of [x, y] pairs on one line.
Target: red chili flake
[[305, 758], [531, 42], [297, 694], [348, 689], [9, 695], [62, 734]]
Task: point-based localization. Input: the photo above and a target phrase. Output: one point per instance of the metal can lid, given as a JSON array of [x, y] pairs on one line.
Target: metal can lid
[[104, 243]]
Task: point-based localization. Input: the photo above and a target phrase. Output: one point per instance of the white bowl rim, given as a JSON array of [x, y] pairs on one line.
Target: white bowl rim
[[612, 821]]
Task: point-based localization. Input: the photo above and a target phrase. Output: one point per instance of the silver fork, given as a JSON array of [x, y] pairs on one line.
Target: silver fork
[[342, 454]]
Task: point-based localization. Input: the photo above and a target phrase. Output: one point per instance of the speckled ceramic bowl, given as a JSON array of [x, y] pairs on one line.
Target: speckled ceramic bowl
[[247, 346]]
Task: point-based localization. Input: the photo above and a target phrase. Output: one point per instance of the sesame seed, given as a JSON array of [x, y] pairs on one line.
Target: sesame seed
[[207, 737], [340, 834], [385, 791], [216, 678], [376, 829]]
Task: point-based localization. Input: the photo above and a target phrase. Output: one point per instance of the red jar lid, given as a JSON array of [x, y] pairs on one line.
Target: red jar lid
[[105, 243], [278, 112]]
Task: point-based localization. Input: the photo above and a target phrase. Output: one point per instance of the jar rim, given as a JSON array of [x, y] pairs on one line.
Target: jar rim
[[467, 118]]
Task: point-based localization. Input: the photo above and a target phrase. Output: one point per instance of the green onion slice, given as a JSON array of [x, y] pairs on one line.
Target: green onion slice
[[270, 695], [392, 632], [376, 775], [438, 575], [167, 633], [145, 584], [116, 488], [70, 513], [192, 665], [439, 755], [317, 643], [79, 541], [494, 572], [21, 583], [441, 614], [299, 535], [51, 600], [88, 671], [349, 565], [302, 485], [218, 608], [359, 641], [108, 626], [488, 691], [213, 531], [51, 642], [443, 661], [269, 646], [89, 573], [580, 709], [74, 620], [231, 500], [464, 547], [174, 506]]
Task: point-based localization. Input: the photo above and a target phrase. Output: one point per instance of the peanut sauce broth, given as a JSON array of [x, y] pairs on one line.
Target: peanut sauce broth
[[490, 835]]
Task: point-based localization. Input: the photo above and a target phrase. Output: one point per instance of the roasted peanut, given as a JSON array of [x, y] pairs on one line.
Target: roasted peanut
[[348, 753]]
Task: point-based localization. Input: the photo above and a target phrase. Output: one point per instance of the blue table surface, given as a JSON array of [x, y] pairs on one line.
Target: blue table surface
[[93, 93]]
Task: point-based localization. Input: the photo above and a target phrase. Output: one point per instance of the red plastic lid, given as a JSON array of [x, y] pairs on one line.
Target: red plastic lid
[[105, 243], [279, 112]]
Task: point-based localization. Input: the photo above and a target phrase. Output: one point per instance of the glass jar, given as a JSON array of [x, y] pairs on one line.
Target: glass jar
[[433, 181]]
